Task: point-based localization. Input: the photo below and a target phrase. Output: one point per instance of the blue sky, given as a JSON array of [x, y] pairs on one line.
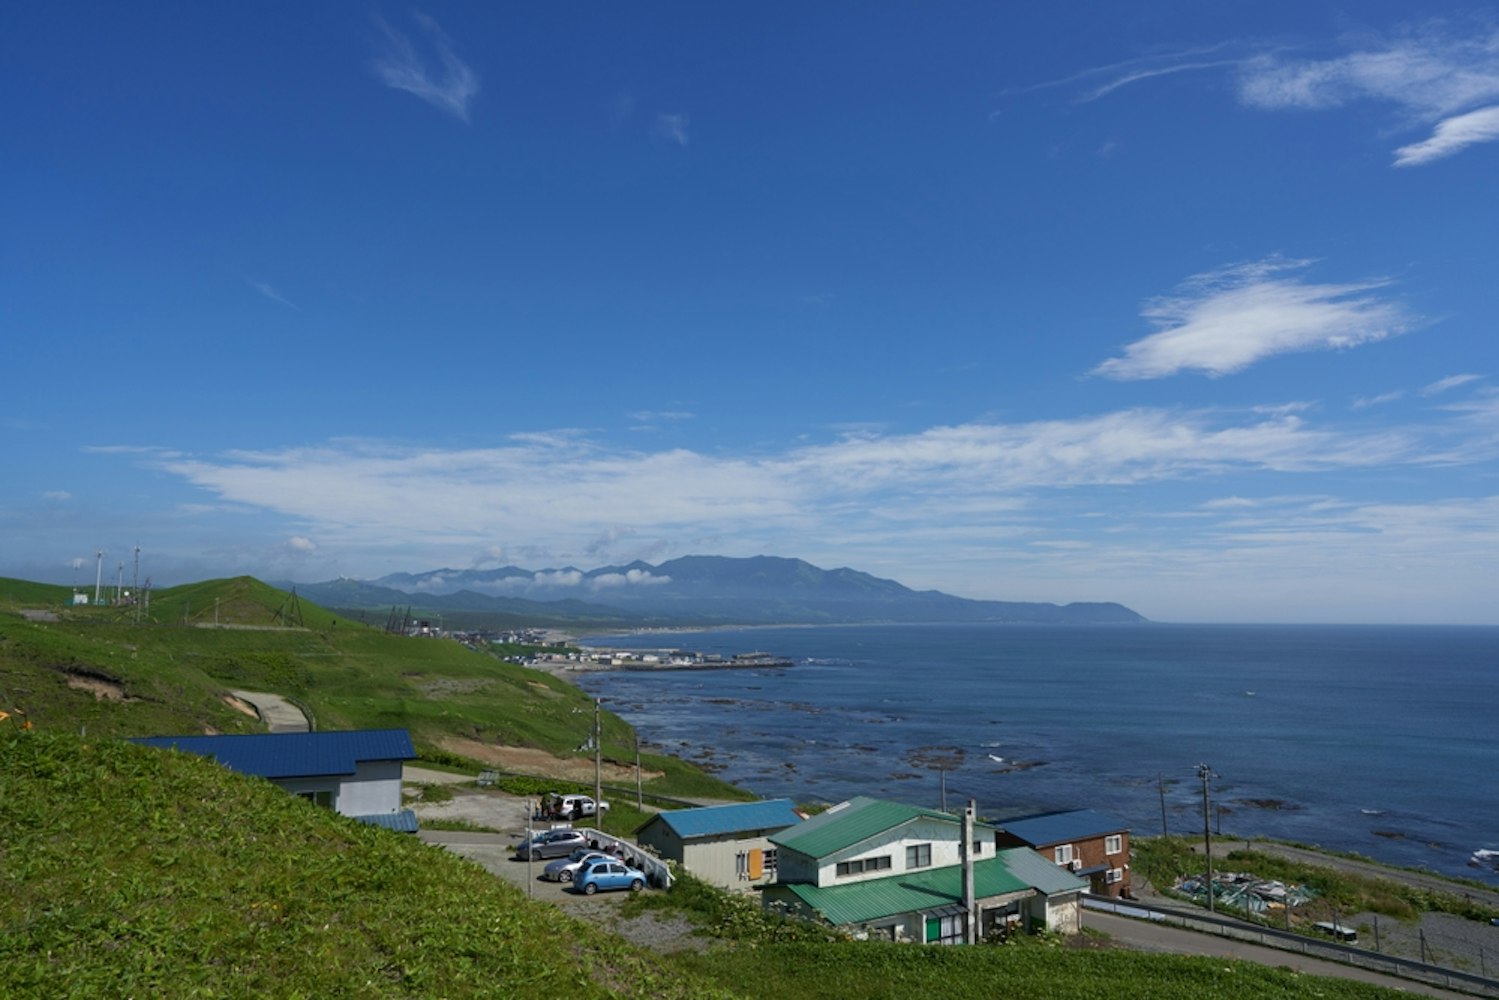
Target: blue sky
[[1188, 306]]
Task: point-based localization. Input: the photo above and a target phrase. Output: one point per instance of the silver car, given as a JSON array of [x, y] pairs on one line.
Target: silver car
[[551, 844], [563, 869]]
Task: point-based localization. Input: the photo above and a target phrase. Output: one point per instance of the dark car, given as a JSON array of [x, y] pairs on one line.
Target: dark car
[[551, 844]]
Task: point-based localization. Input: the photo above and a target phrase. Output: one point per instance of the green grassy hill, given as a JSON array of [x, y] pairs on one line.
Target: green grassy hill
[[96, 669], [128, 871]]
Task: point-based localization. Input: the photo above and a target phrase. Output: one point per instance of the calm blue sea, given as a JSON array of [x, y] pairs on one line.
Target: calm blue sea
[[1380, 740]]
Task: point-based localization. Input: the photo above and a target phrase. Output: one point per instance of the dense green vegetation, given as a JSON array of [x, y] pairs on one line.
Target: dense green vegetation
[[876, 971], [99, 670], [129, 871]]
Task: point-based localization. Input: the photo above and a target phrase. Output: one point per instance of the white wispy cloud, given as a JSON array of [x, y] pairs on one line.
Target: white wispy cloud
[[1226, 320], [272, 294], [673, 127], [970, 477], [1100, 80], [1452, 135], [451, 87], [656, 416], [1450, 382], [1364, 402], [1437, 74], [1137, 75]]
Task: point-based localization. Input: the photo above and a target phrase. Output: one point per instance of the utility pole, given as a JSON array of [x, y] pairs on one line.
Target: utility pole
[[1206, 773], [1160, 782], [598, 766], [639, 793], [98, 574], [135, 585]]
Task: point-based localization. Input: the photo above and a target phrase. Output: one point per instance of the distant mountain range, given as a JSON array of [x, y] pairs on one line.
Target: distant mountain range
[[693, 590]]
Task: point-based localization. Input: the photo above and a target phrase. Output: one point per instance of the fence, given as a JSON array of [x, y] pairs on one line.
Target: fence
[[1239, 930], [657, 872]]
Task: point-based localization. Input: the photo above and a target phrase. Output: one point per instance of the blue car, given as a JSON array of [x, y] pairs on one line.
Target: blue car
[[606, 875]]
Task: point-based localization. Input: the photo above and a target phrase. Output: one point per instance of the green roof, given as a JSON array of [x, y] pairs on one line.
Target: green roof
[[852, 823], [933, 888]]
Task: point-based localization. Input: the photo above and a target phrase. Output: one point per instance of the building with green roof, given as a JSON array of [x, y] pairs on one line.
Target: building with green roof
[[890, 870]]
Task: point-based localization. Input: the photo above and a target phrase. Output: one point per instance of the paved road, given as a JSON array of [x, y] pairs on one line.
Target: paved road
[[1148, 936], [279, 715]]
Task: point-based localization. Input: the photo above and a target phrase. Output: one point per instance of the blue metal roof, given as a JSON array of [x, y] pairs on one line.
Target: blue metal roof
[[1062, 827], [294, 755], [741, 817], [401, 822]]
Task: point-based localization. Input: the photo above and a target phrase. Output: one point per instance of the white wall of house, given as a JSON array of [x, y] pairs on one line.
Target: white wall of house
[[728, 861], [724, 860], [1061, 913], [374, 788], [942, 838]]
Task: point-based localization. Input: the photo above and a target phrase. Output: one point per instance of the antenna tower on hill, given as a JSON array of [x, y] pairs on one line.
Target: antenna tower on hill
[[290, 612]]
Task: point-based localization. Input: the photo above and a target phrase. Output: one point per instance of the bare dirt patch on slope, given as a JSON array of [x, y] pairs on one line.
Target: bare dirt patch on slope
[[530, 760]]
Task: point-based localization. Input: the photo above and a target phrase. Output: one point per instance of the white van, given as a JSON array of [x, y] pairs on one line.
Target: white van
[[1338, 932]]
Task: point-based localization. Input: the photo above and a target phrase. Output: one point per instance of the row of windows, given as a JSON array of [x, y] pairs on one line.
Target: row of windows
[[862, 865], [1112, 844]]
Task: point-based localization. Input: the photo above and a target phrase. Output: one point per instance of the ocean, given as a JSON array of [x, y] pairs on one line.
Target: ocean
[[1378, 740]]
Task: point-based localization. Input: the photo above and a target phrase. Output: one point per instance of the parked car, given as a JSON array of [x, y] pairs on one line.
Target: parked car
[[563, 869], [611, 873], [557, 806], [551, 844]]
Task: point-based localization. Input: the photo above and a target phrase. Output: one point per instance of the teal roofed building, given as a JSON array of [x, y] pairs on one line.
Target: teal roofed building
[[726, 845], [889, 870]]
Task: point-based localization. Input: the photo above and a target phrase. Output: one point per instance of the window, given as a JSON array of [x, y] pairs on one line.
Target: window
[[1113, 844], [772, 862], [323, 798], [1063, 854], [919, 856], [1114, 875], [945, 930], [978, 848], [863, 865]]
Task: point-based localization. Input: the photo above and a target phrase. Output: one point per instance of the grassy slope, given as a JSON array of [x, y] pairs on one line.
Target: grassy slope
[[128, 871], [174, 677], [874, 971]]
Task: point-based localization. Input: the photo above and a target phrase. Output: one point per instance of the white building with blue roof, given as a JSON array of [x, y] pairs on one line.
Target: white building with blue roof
[[726, 845], [356, 773]]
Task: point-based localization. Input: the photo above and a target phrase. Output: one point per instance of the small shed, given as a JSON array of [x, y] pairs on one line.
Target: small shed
[[356, 773], [725, 845]]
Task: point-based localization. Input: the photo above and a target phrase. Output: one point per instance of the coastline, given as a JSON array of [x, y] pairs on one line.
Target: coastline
[[850, 721]]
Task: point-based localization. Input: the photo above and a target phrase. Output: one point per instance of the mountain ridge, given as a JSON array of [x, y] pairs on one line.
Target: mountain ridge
[[698, 589]]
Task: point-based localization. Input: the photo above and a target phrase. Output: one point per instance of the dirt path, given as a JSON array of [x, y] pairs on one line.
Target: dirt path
[[279, 715]]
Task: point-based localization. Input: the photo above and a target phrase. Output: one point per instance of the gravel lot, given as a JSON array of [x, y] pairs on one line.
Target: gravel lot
[[496, 853]]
